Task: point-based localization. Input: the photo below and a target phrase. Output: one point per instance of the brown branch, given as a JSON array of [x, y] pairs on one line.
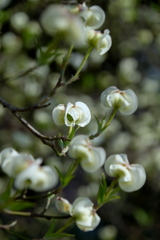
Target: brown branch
[[45, 139]]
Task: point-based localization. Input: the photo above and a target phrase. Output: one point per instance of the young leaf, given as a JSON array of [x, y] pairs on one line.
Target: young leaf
[[102, 190]]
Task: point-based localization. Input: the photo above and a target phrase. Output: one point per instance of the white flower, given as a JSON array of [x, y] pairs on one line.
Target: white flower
[[93, 17], [36, 178], [126, 101], [57, 19], [12, 162], [82, 210], [100, 41], [73, 114], [92, 158], [131, 177]]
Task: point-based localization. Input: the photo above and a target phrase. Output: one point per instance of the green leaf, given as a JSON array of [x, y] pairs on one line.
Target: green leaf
[[5, 196], [58, 235], [102, 190], [19, 205], [61, 175]]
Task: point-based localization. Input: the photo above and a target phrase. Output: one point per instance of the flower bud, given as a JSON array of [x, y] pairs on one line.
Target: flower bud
[[92, 158], [63, 205], [131, 177], [125, 101]]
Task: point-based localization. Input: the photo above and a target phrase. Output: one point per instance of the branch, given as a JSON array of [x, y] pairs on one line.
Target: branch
[[30, 214], [45, 139]]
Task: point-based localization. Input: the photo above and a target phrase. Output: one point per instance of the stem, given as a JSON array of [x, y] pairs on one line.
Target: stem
[[113, 113], [65, 226], [99, 131], [75, 77]]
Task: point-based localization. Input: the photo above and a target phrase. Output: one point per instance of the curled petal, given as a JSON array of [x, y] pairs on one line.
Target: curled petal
[[78, 114], [15, 163], [100, 41], [95, 160], [130, 177], [105, 43], [138, 178], [92, 158], [93, 17], [63, 205], [86, 217], [36, 178], [126, 101], [85, 116], [7, 152], [71, 115], [58, 114]]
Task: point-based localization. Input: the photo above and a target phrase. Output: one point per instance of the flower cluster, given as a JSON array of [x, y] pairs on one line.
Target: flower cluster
[[26, 171], [91, 158], [71, 115], [81, 210], [77, 25]]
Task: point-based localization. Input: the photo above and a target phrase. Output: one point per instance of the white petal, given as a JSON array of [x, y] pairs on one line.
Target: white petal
[[116, 159], [85, 114], [7, 152], [95, 160], [137, 181], [66, 120], [58, 114], [36, 178], [86, 217], [133, 102], [105, 94], [93, 17], [63, 205], [105, 43]]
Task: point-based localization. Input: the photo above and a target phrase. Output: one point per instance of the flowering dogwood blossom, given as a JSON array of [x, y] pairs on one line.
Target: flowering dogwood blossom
[[27, 171], [131, 177], [91, 158], [100, 41], [71, 115], [12, 162], [126, 101], [93, 17], [57, 19], [36, 178], [82, 210]]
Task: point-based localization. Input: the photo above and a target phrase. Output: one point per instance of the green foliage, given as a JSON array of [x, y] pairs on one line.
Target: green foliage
[[105, 193], [101, 196]]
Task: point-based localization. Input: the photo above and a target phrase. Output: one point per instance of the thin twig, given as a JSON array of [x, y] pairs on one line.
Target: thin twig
[[31, 214]]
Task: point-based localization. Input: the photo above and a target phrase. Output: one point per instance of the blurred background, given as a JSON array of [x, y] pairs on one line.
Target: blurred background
[[132, 62]]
